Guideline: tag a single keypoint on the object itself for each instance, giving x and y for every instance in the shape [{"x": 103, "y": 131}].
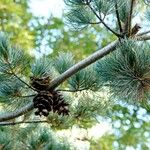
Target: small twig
[
  {"x": 94, "y": 22},
  {"x": 118, "y": 35},
  {"x": 142, "y": 38},
  {"x": 22, "y": 122},
  {"x": 17, "y": 113},
  {"x": 25, "y": 96},
  {"x": 130, "y": 17},
  {"x": 12, "y": 72},
  {"x": 23, "y": 82},
  {"x": 118, "y": 18},
  {"x": 143, "y": 33},
  {"x": 79, "y": 90}
]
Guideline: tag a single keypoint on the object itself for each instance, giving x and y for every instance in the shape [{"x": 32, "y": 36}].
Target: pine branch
[
  {"x": 17, "y": 113},
  {"x": 143, "y": 33},
  {"x": 95, "y": 22},
  {"x": 79, "y": 90},
  {"x": 22, "y": 122},
  {"x": 68, "y": 73},
  {"x": 13, "y": 73},
  {"x": 74, "y": 69},
  {"x": 118, "y": 18},
  {"x": 118, "y": 35},
  {"x": 25, "y": 96},
  {"x": 142, "y": 38},
  {"x": 130, "y": 17},
  {"x": 83, "y": 64}
]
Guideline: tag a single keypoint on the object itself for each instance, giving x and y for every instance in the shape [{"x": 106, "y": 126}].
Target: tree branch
[
  {"x": 13, "y": 73},
  {"x": 21, "y": 122},
  {"x": 78, "y": 90},
  {"x": 118, "y": 35},
  {"x": 26, "y": 96},
  {"x": 143, "y": 33},
  {"x": 84, "y": 63},
  {"x": 118, "y": 18},
  {"x": 68, "y": 73},
  {"x": 17, "y": 113},
  {"x": 130, "y": 16},
  {"x": 143, "y": 38}
]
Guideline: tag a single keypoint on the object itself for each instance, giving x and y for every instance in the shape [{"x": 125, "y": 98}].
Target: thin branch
[
  {"x": 94, "y": 22},
  {"x": 143, "y": 38},
  {"x": 24, "y": 82},
  {"x": 118, "y": 35},
  {"x": 26, "y": 96},
  {"x": 84, "y": 63},
  {"x": 143, "y": 33},
  {"x": 68, "y": 73},
  {"x": 118, "y": 18},
  {"x": 17, "y": 113},
  {"x": 79, "y": 90},
  {"x": 13, "y": 73},
  {"x": 22, "y": 122},
  {"x": 130, "y": 16}
]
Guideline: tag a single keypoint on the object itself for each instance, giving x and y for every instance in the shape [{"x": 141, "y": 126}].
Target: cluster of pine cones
[{"x": 46, "y": 100}]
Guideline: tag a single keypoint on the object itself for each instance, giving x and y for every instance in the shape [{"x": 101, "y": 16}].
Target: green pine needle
[
  {"x": 126, "y": 71},
  {"x": 85, "y": 79},
  {"x": 63, "y": 62},
  {"x": 42, "y": 67}
]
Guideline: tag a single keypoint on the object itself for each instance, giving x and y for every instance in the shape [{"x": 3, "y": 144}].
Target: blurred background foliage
[{"x": 130, "y": 124}]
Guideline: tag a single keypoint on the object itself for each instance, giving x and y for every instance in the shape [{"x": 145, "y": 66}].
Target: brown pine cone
[{"x": 40, "y": 83}]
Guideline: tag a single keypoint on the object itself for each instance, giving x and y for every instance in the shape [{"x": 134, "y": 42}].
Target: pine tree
[{"x": 65, "y": 92}]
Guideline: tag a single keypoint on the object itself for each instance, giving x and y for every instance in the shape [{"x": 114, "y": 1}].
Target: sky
[{"x": 47, "y": 7}]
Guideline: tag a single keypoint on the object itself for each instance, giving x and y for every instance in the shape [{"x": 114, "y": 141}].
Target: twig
[
  {"x": 12, "y": 72},
  {"x": 79, "y": 90},
  {"x": 94, "y": 22},
  {"x": 24, "y": 82},
  {"x": 118, "y": 35},
  {"x": 130, "y": 17},
  {"x": 142, "y": 38},
  {"x": 143, "y": 33},
  {"x": 22, "y": 122},
  {"x": 118, "y": 18},
  {"x": 25, "y": 96},
  {"x": 17, "y": 113},
  {"x": 82, "y": 64}
]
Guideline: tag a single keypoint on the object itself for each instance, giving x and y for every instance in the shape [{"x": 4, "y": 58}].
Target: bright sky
[{"x": 47, "y": 7}]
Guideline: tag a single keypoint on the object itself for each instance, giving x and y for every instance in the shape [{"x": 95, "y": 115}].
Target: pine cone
[
  {"x": 135, "y": 29},
  {"x": 40, "y": 83},
  {"x": 46, "y": 101},
  {"x": 59, "y": 105}
]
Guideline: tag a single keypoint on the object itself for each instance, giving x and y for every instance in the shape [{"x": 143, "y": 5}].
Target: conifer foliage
[
  {"x": 66, "y": 92},
  {"x": 126, "y": 71}
]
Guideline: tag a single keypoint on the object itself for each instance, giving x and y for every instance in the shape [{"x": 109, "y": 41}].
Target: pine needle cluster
[
  {"x": 126, "y": 71},
  {"x": 31, "y": 137}
]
